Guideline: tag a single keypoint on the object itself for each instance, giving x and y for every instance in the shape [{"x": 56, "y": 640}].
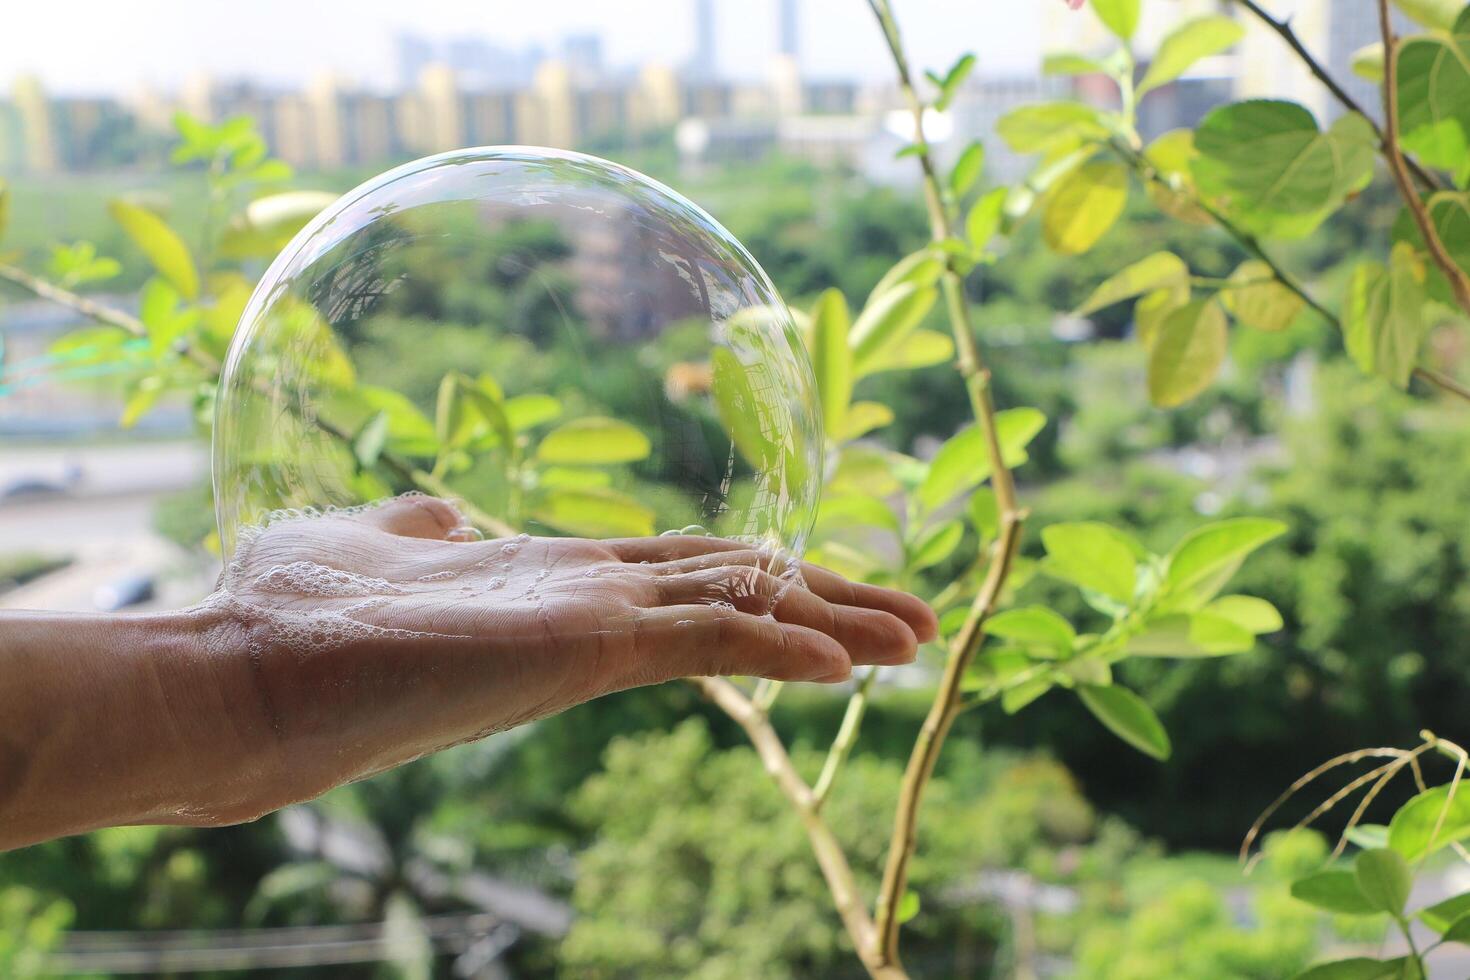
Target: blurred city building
[{"x": 468, "y": 90}]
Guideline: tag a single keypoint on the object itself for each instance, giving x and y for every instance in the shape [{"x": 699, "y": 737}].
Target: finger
[
  {"x": 670, "y": 547},
  {"x": 413, "y": 516},
  {"x": 822, "y": 582},
  {"x": 914, "y": 612},
  {"x": 870, "y": 636},
  {"x": 701, "y": 641}
]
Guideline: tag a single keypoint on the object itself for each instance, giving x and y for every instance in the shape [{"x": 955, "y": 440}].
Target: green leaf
[
  {"x": 963, "y": 461},
  {"x": 1090, "y": 555},
  {"x": 1186, "y": 44},
  {"x": 1357, "y": 968},
  {"x": 1438, "y": 14},
  {"x": 1383, "y": 319},
  {"x": 864, "y": 417},
  {"x": 935, "y": 545},
  {"x": 922, "y": 268},
  {"x": 1034, "y": 626},
  {"x": 368, "y": 443},
  {"x": 1071, "y": 64},
  {"x": 454, "y": 421},
  {"x": 1384, "y": 879},
  {"x": 573, "y": 477},
  {"x": 593, "y": 441},
  {"x": 1368, "y": 835},
  {"x": 984, "y": 513},
  {"x": 854, "y": 508},
  {"x": 1186, "y": 636},
  {"x": 1048, "y": 125},
  {"x": 1441, "y": 915},
  {"x": 4, "y": 206},
  {"x": 1449, "y": 212},
  {"x": 528, "y": 411},
  {"x": 1268, "y": 161},
  {"x": 593, "y": 513},
  {"x": 967, "y": 168},
  {"x": 1213, "y": 553},
  {"x": 1411, "y": 832},
  {"x": 983, "y": 221},
  {"x": 831, "y": 358},
  {"x": 1459, "y": 931},
  {"x": 1127, "y": 716},
  {"x": 1083, "y": 206},
  {"x": 908, "y": 907},
  {"x": 1249, "y": 613},
  {"x": 887, "y": 321},
  {"x": 1257, "y": 299},
  {"x": 409, "y": 430},
  {"x": 1333, "y": 891},
  {"x": 1016, "y": 698},
  {"x": 158, "y": 308},
  {"x": 1434, "y": 96},
  {"x": 950, "y": 84},
  {"x": 1368, "y": 62},
  {"x": 1187, "y": 353},
  {"x": 1161, "y": 270},
  {"x": 160, "y": 244},
  {"x": 1118, "y": 16}
]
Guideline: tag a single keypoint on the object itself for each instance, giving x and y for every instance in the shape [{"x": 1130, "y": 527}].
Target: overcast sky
[{"x": 103, "y": 46}]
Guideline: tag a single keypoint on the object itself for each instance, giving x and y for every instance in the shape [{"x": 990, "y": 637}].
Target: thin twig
[
  {"x": 1287, "y": 34},
  {"x": 842, "y": 745},
  {"x": 947, "y": 700},
  {"x": 123, "y": 320},
  {"x": 1459, "y": 280}
]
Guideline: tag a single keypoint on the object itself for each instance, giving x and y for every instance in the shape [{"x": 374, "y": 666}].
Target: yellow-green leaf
[
  {"x": 1034, "y": 627},
  {"x": 160, "y": 244},
  {"x": 967, "y": 168},
  {"x": 1118, "y": 16},
  {"x": 1438, "y": 14},
  {"x": 864, "y": 417},
  {"x": 592, "y": 512},
  {"x": 1434, "y": 96},
  {"x": 1257, "y": 299},
  {"x": 963, "y": 461},
  {"x": 983, "y": 221},
  {"x": 889, "y": 318},
  {"x": 1187, "y": 353},
  {"x": 593, "y": 441},
  {"x": 1248, "y": 612},
  {"x": 922, "y": 348},
  {"x": 1207, "y": 552},
  {"x": 1044, "y": 126},
  {"x": 1186, "y": 44},
  {"x": 831, "y": 358},
  {"x": 1368, "y": 62},
  {"x": 1412, "y": 831},
  {"x": 1172, "y": 156},
  {"x": 1127, "y": 716},
  {"x": 935, "y": 545},
  {"x": 1091, "y": 555},
  {"x": 1083, "y": 206},
  {"x": 1383, "y": 320},
  {"x": 1161, "y": 270}
]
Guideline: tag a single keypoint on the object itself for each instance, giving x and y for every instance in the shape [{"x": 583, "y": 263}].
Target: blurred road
[{"x": 95, "y": 504}]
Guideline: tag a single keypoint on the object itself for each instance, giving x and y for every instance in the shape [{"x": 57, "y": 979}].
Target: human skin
[{"x": 275, "y": 691}]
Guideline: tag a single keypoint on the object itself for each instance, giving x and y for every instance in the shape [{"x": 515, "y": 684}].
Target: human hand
[{"x": 374, "y": 640}]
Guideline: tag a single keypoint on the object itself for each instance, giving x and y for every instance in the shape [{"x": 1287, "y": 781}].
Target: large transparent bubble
[{"x": 564, "y": 345}]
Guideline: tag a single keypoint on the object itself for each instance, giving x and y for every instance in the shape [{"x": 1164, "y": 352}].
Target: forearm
[{"x": 108, "y": 720}]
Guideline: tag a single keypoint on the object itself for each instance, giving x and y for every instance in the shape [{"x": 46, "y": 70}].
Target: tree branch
[
  {"x": 1287, "y": 34},
  {"x": 123, "y": 320},
  {"x": 842, "y": 745},
  {"x": 971, "y": 365},
  {"x": 1459, "y": 280},
  {"x": 830, "y": 857}
]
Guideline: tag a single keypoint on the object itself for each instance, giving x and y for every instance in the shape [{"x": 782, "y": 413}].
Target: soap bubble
[{"x": 561, "y": 344}]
